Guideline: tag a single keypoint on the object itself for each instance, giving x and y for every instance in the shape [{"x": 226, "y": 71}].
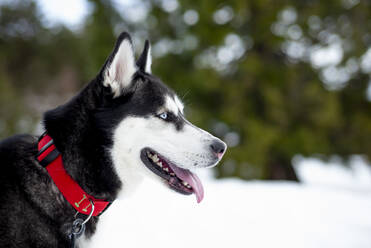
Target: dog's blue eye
[{"x": 163, "y": 115}]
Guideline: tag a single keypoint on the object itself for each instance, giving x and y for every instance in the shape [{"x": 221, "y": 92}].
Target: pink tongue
[{"x": 190, "y": 178}]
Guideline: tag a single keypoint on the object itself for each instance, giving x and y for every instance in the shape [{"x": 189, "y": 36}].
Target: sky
[{"x": 69, "y": 12}]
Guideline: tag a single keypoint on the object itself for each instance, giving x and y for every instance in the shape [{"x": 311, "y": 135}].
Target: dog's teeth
[
  {"x": 166, "y": 169},
  {"x": 159, "y": 164},
  {"x": 186, "y": 184},
  {"x": 155, "y": 158}
]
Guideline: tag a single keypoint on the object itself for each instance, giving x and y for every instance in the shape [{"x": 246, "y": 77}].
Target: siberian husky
[{"x": 123, "y": 126}]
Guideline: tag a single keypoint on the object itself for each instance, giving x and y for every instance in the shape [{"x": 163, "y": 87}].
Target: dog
[{"x": 124, "y": 126}]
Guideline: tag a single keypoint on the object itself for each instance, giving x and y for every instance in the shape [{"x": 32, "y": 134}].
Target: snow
[
  {"x": 329, "y": 209},
  {"x": 356, "y": 176}
]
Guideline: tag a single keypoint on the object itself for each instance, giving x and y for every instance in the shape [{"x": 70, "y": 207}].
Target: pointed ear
[
  {"x": 145, "y": 60},
  {"x": 120, "y": 65}
]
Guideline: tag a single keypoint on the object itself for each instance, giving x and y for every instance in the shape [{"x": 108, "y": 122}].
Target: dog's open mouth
[{"x": 180, "y": 180}]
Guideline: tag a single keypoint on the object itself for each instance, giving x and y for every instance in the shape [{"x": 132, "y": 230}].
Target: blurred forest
[{"x": 273, "y": 78}]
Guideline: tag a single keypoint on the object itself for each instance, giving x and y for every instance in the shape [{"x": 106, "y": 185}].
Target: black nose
[{"x": 218, "y": 148}]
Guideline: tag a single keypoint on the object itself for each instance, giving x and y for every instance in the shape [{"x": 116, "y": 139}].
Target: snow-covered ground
[{"x": 331, "y": 208}]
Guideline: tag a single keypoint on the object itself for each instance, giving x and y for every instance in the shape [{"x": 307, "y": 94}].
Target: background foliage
[{"x": 273, "y": 78}]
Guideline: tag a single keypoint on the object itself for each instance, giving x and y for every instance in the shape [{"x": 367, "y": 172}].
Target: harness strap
[{"x": 50, "y": 158}]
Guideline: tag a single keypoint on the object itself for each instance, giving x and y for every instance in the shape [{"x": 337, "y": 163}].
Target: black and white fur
[{"x": 100, "y": 133}]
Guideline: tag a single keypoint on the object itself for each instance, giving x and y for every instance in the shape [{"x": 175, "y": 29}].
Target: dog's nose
[{"x": 218, "y": 148}]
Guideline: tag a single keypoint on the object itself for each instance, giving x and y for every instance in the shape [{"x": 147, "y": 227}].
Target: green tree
[
  {"x": 272, "y": 78},
  {"x": 254, "y": 69}
]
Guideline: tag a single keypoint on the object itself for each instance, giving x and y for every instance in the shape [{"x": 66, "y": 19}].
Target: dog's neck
[{"x": 85, "y": 153}]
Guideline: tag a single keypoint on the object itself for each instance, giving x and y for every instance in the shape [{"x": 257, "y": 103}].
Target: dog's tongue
[{"x": 190, "y": 178}]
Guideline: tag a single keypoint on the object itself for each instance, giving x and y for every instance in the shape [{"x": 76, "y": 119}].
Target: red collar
[{"x": 50, "y": 158}]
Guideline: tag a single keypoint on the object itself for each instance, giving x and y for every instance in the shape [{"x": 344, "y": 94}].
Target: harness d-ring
[
  {"x": 91, "y": 213},
  {"x": 78, "y": 226}
]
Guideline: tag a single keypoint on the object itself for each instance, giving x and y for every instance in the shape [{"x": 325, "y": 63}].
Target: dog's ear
[
  {"x": 145, "y": 60},
  {"x": 120, "y": 66}
]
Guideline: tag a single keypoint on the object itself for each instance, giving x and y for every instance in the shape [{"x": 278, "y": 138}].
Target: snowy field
[{"x": 331, "y": 208}]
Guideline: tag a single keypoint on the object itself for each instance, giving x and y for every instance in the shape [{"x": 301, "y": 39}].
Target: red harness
[{"x": 50, "y": 158}]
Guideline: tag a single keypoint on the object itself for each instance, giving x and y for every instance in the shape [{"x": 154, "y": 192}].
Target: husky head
[{"x": 150, "y": 134}]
